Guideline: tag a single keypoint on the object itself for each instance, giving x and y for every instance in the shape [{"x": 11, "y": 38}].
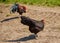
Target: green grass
[{"x": 35, "y": 2}]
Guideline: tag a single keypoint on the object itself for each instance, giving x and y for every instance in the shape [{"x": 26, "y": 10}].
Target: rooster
[
  {"x": 34, "y": 26},
  {"x": 18, "y": 8}
]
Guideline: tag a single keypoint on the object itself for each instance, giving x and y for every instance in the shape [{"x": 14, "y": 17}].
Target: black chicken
[
  {"x": 34, "y": 26},
  {"x": 18, "y": 8}
]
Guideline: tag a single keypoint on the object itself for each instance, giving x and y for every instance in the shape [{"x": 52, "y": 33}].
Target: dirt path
[{"x": 13, "y": 30}]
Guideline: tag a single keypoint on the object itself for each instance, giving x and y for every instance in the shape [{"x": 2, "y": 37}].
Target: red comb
[
  {"x": 24, "y": 7},
  {"x": 42, "y": 20}
]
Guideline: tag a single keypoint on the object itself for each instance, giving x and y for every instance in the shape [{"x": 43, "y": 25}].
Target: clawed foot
[{"x": 36, "y": 36}]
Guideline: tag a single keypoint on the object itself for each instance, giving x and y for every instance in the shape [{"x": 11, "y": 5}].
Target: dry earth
[{"x": 16, "y": 32}]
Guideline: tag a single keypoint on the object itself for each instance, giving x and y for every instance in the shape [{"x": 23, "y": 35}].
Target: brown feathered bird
[
  {"x": 34, "y": 26},
  {"x": 18, "y": 8}
]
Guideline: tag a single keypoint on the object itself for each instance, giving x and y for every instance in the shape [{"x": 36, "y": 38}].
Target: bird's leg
[{"x": 36, "y": 35}]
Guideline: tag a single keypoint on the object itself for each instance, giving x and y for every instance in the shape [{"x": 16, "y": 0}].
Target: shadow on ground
[
  {"x": 9, "y": 19},
  {"x": 30, "y": 37}
]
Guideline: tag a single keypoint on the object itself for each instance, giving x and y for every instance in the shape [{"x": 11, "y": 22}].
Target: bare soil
[{"x": 13, "y": 30}]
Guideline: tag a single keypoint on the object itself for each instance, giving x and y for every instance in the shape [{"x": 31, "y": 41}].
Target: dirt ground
[{"x": 15, "y": 32}]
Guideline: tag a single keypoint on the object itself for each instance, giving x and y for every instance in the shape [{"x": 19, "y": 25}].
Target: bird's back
[{"x": 39, "y": 24}]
